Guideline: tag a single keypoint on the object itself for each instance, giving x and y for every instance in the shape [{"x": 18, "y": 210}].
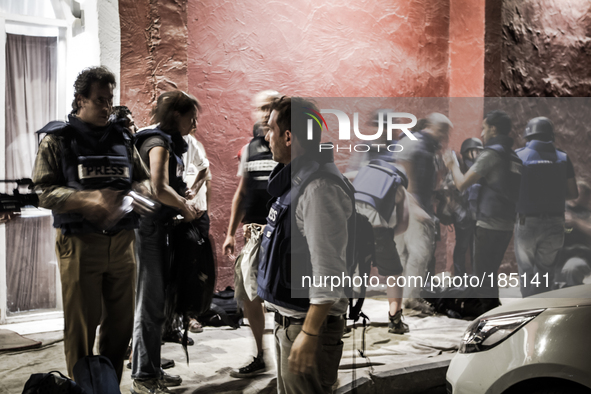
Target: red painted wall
[
  {"x": 309, "y": 48},
  {"x": 153, "y": 53},
  {"x": 224, "y": 52}
]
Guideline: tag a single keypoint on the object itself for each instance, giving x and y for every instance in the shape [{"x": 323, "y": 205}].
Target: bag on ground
[
  {"x": 96, "y": 375},
  {"x": 51, "y": 383},
  {"x": 224, "y": 311}
]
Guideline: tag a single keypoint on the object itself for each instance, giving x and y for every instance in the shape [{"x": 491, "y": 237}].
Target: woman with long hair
[{"x": 161, "y": 147}]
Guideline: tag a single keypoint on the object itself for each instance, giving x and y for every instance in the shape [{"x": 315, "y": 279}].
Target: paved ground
[{"x": 218, "y": 350}]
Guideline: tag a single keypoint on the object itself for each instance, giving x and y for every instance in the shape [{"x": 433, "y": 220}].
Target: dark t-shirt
[
  {"x": 150, "y": 143},
  {"x": 420, "y": 155},
  {"x": 489, "y": 165}
]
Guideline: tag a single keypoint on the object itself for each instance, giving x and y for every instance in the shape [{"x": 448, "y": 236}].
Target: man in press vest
[
  {"x": 497, "y": 171},
  {"x": 547, "y": 181},
  {"x": 309, "y": 228},
  {"x": 83, "y": 167}
]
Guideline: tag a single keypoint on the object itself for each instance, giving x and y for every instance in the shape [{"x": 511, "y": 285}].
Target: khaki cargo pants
[{"x": 98, "y": 285}]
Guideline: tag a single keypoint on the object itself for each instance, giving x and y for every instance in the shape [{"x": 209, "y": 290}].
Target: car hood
[{"x": 563, "y": 298}]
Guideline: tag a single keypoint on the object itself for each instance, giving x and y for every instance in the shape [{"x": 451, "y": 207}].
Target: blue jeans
[
  {"x": 153, "y": 269},
  {"x": 537, "y": 241}
]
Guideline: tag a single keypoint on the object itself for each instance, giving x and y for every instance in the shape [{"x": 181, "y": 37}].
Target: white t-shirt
[
  {"x": 243, "y": 160},
  {"x": 195, "y": 161}
]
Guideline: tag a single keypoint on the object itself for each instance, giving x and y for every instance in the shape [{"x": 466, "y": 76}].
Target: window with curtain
[{"x": 31, "y": 74}]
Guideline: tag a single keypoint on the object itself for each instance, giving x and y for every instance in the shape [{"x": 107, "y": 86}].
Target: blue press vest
[
  {"x": 377, "y": 183},
  {"x": 543, "y": 180},
  {"x": 175, "y": 167},
  {"x": 92, "y": 161},
  {"x": 498, "y": 200},
  {"x": 258, "y": 167},
  {"x": 283, "y": 243}
]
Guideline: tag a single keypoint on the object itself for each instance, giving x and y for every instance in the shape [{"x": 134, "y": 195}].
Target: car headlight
[{"x": 487, "y": 332}]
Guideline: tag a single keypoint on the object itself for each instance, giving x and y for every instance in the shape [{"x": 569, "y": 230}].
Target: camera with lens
[{"x": 14, "y": 202}]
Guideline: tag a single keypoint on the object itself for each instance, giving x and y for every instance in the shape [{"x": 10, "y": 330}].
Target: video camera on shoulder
[{"x": 16, "y": 201}]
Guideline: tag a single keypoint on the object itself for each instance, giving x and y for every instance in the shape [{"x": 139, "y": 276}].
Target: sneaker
[
  {"x": 396, "y": 325},
  {"x": 257, "y": 366},
  {"x": 171, "y": 380},
  {"x": 150, "y": 386}
]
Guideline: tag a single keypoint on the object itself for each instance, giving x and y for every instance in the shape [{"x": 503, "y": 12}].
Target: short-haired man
[
  {"x": 547, "y": 181},
  {"x": 416, "y": 246},
  {"x": 307, "y": 233},
  {"x": 82, "y": 168},
  {"x": 498, "y": 172},
  {"x": 123, "y": 114},
  {"x": 249, "y": 206}
]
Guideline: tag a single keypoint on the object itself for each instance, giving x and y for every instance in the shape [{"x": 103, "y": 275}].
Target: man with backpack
[
  {"x": 249, "y": 206},
  {"x": 309, "y": 233}
]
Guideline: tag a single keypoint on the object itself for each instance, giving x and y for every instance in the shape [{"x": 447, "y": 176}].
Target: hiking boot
[
  {"x": 257, "y": 366},
  {"x": 170, "y": 380},
  {"x": 396, "y": 325},
  {"x": 150, "y": 386}
]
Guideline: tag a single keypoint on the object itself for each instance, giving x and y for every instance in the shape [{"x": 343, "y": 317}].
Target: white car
[{"x": 538, "y": 345}]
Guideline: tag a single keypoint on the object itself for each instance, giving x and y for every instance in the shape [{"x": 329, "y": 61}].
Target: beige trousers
[{"x": 98, "y": 286}]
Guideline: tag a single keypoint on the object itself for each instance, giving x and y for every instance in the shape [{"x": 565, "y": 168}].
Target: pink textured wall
[
  {"x": 466, "y": 68},
  {"x": 310, "y": 48},
  {"x": 466, "y": 48},
  {"x": 153, "y": 53},
  {"x": 224, "y": 52}
]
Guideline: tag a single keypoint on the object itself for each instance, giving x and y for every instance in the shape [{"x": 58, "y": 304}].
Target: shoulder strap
[
  {"x": 390, "y": 169},
  {"x": 53, "y": 127},
  {"x": 500, "y": 149},
  {"x": 143, "y": 135},
  {"x": 561, "y": 155}
]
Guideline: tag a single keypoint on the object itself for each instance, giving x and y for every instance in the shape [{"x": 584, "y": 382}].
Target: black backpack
[
  {"x": 360, "y": 265},
  {"x": 191, "y": 282},
  {"x": 223, "y": 311},
  {"x": 458, "y": 302},
  {"x": 96, "y": 375},
  {"x": 51, "y": 383},
  {"x": 192, "y": 271}
]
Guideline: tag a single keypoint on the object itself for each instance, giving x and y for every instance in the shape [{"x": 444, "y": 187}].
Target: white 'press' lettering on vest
[
  {"x": 272, "y": 214},
  {"x": 113, "y": 171}
]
